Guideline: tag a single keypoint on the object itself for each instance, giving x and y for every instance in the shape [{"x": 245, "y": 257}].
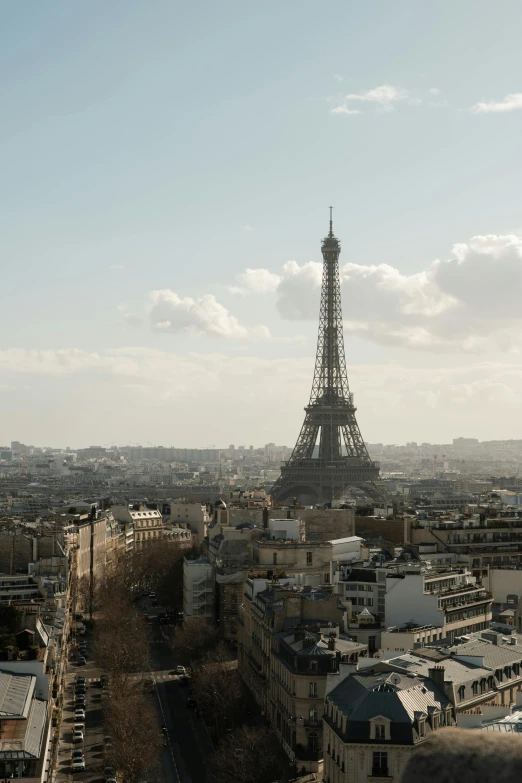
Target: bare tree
[
  {"x": 133, "y": 724},
  {"x": 192, "y": 642},
  {"x": 218, "y": 689},
  {"x": 250, "y": 755}
]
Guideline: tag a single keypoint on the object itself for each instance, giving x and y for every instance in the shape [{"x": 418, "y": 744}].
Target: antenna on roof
[{"x": 331, "y": 224}]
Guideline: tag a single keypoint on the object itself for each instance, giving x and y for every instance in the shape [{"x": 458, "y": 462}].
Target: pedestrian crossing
[{"x": 158, "y": 676}]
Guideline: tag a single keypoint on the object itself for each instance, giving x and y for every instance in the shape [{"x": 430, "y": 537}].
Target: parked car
[
  {"x": 77, "y": 736},
  {"x": 80, "y": 690},
  {"x": 191, "y": 702},
  {"x": 79, "y": 680},
  {"x": 79, "y": 714},
  {"x": 148, "y": 685},
  {"x": 78, "y": 761},
  {"x": 104, "y": 679},
  {"x": 108, "y": 741},
  {"x": 79, "y": 703},
  {"x": 82, "y": 660},
  {"x": 180, "y": 670},
  {"x": 183, "y": 680}
]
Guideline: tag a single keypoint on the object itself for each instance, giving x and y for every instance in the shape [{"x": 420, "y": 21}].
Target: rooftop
[{"x": 16, "y": 691}]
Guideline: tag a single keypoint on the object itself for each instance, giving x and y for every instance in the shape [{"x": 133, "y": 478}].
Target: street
[{"x": 182, "y": 760}]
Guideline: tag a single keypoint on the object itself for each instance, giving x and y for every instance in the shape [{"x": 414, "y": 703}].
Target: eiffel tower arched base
[{"x": 313, "y": 485}]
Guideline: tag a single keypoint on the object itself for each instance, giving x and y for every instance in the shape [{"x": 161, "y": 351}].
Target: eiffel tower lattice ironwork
[{"x": 330, "y": 455}]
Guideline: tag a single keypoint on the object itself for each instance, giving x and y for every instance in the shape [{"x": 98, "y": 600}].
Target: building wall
[
  {"x": 404, "y": 641},
  {"x": 394, "y": 530},
  {"x": 502, "y": 582},
  {"x": 358, "y": 759},
  {"x": 406, "y": 602}
]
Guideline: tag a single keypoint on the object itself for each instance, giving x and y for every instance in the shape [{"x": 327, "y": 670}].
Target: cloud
[
  {"x": 509, "y": 102},
  {"x": 132, "y": 319},
  {"x": 344, "y": 109},
  {"x": 434, "y": 91},
  {"x": 469, "y": 302},
  {"x": 117, "y": 266},
  {"x": 383, "y": 97},
  {"x": 338, "y": 77},
  {"x": 256, "y": 281},
  {"x": 204, "y": 316},
  {"x": 248, "y": 227}
]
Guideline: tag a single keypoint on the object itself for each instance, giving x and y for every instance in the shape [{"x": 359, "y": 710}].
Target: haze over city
[{"x": 166, "y": 191}]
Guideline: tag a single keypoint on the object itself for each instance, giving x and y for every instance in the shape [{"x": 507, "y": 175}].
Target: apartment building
[
  {"x": 450, "y": 599},
  {"x": 147, "y": 523},
  {"x": 479, "y": 540},
  {"x": 300, "y": 662},
  {"x": 286, "y": 647},
  {"x": 374, "y": 720}
]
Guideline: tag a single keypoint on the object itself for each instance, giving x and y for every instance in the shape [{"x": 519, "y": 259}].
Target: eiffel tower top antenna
[{"x": 331, "y": 224}]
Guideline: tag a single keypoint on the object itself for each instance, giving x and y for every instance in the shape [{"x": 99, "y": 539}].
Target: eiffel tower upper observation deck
[{"x": 330, "y": 455}]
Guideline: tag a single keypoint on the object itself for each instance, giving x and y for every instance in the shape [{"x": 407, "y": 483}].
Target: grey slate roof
[
  {"x": 400, "y": 698},
  {"x": 454, "y": 670},
  {"x": 495, "y": 657},
  {"x": 16, "y": 691}
]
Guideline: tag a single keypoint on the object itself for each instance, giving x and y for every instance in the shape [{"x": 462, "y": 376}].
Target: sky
[{"x": 167, "y": 169}]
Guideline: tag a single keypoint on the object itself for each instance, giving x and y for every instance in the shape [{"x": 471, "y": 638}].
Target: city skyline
[{"x": 165, "y": 204}]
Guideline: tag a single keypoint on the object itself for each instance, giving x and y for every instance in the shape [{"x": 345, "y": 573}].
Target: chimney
[
  {"x": 265, "y": 518},
  {"x": 437, "y": 675},
  {"x": 331, "y": 643}
]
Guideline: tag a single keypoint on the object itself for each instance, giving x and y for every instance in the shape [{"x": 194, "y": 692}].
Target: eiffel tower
[{"x": 330, "y": 455}]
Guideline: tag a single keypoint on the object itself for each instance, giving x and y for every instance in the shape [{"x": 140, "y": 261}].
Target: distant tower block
[{"x": 329, "y": 457}]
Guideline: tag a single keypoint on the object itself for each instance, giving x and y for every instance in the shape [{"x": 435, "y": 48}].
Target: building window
[
  {"x": 313, "y": 666},
  {"x": 516, "y": 669},
  {"x": 380, "y": 731},
  {"x": 274, "y": 558},
  {"x": 474, "y": 688},
  {"x": 491, "y": 683},
  {"x": 461, "y": 692},
  {"x": 483, "y": 685},
  {"x": 422, "y": 728},
  {"x": 308, "y": 558},
  {"x": 313, "y": 715},
  {"x": 327, "y": 578},
  {"x": 380, "y": 765},
  {"x": 313, "y": 742},
  {"x": 312, "y": 690}
]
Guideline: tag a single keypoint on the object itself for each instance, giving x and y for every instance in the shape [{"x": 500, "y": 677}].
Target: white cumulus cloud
[
  {"x": 468, "y": 302},
  {"x": 256, "y": 281},
  {"x": 205, "y": 315},
  {"x": 384, "y": 97},
  {"x": 510, "y": 102}
]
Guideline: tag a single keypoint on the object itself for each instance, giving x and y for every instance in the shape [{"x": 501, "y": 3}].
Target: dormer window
[
  {"x": 422, "y": 727},
  {"x": 461, "y": 692},
  {"x": 380, "y": 729},
  {"x": 313, "y": 666}
]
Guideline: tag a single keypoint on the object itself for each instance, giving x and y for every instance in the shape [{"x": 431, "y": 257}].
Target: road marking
[{"x": 164, "y": 722}]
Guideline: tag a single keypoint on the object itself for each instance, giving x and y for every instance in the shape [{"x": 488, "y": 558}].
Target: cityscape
[{"x": 345, "y": 608}]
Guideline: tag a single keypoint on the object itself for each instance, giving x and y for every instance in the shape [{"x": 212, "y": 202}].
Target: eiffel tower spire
[{"x": 330, "y": 454}]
